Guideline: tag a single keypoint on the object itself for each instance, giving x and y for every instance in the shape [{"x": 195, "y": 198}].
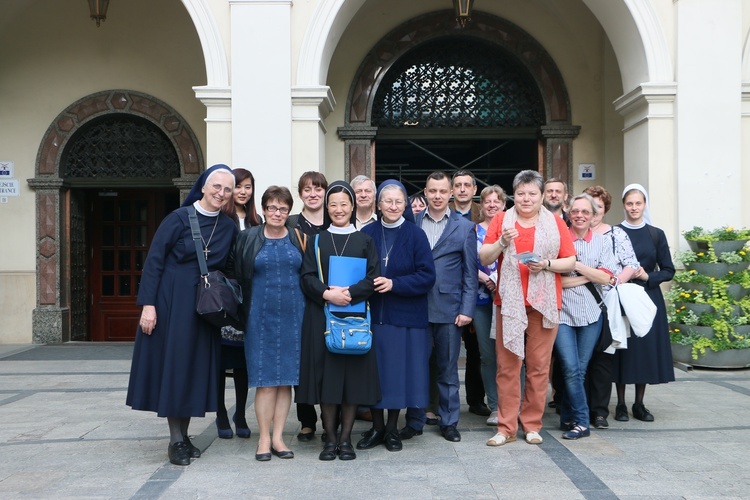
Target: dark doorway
[
  {"x": 493, "y": 161},
  {"x": 121, "y": 226}
]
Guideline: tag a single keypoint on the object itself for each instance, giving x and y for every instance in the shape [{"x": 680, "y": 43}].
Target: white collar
[
  {"x": 392, "y": 225},
  {"x": 203, "y": 211},
  {"x": 342, "y": 230},
  {"x": 633, "y": 226}
]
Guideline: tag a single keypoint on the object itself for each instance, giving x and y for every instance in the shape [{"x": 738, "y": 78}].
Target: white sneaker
[
  {"x": 533, "y": 437},
  {"x": 492, "y": 419}
]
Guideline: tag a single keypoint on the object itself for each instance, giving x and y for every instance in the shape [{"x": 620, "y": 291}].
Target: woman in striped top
[{"x": 580, "y": 317}]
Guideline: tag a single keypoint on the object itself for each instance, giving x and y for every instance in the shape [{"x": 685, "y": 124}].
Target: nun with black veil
[
  {"x": 336, "y": 380},
  {"x": 176, "y": 356}
]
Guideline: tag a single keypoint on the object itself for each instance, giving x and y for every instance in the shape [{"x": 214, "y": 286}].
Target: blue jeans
[
  {"x": 574, "y": 346},
  {"x": 482, "y": 323},
  {"x": 446, "y": 346}
]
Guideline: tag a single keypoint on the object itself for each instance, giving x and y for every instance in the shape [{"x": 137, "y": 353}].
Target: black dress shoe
[
  {"x": 481, "y": 410},
  {"x": 305, "y": 437},
  {"x": 408, "y": 433},
  {"x": 621, "y": 413},
  {"x": 393, "y": 442},
  {"x": 328, "y": 453},
  {"x": 179, "y": 454},
  {"x": 432, "y": 421},
  {"x": 372, "y": 439},
  {"x": 641, "y": 413},
  {"x": 346, "y": 452},
  {"x": 601, "y": 423},
  {"x": 283, "y": 453},
  {"x": 193, "y": 451},
  {"x": 450, "y": 433}
]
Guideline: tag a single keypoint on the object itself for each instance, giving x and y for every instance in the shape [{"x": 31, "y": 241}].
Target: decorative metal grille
[
  {"x": 117, "y": 146},
  {"x": 78, "y": 266},
  {"x": 455, "y": 82}
]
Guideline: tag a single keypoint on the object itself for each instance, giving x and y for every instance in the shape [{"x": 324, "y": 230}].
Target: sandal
[{"x": 500, "y": 439}]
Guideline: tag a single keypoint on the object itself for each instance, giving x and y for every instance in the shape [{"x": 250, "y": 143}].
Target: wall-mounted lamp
[
  {"x": 463, "y": 11},
  {"x": 98, "y": 10}
]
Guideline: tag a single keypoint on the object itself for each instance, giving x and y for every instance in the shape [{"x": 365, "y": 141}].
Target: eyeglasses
[
  {"x": 273, "y": 209},
  {"x": 398, "y": 203},
  {"x": 577, "y": 211},
  {"x": 219, "y": 187}
]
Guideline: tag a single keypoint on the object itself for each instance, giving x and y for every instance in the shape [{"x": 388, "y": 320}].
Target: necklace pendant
[
  {"x": 206, "y": 251},
  {"x": 385, "y": 259}
]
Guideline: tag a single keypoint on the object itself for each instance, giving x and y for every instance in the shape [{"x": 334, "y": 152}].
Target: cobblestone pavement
[{"x": 66, "y": 433}]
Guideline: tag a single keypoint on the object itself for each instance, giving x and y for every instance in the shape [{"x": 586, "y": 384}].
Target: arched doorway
[
  {"x": 109, "y": 168},
  {"x": 481, "y": 89}
]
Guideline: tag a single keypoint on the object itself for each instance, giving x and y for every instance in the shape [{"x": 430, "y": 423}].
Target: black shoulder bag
[
  {"x": 605, "y": 337},
  {"x": 218, "y": 299}
]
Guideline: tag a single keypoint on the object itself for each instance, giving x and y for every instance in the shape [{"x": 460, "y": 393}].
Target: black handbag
[
  {"x": 218, "y": 298},
  {"x": 605, "y": 337}
]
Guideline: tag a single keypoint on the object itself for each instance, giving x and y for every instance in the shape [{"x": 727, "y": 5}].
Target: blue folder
[{"x": 346, "y": 271}]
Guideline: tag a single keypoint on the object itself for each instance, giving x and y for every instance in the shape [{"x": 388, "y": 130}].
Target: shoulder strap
[
  {"x": 302, "y": 238},
  {"x": 196, "y": 230},
  {"x": 317, "y": 257},
  {"x": 597, "y": 297}
]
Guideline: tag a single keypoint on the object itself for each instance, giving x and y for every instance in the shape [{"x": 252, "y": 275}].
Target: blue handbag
[
  {"x": 345, "y": 334},
  {"x": 348, "y": 335}
]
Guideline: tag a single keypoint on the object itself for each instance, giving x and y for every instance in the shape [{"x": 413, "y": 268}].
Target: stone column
[
  {"x": 218, "y": 102},
  {"x": 51, "y": 318},
  {"x": 708, "y": 112},
  {"x": 558, "y": 151},
  {"x": 261, "y": 79},
  {"x": 359, "y": 150},
  {"x": 649, "y": 142},
  {"x": 310, "y": 107}
]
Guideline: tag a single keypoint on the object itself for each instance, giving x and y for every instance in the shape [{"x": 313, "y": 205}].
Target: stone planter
[
  {"x": 698, "y": 246},
  {"x": 697, "y": 308},
  {"x": 703, "y": 331},
  {"x": 721, "y": 247},
  {"x": 682, "y": 353},
  {"x": 742, "y": 331},
  {"x": 711, "y": 269},
  {"x": 736, "y": 291},
  {"x": 731, "y": 358},
  {"x": 737, "y": 268}
]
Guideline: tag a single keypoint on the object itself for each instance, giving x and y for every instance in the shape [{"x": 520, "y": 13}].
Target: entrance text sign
[{"x": 9, "y": 187}]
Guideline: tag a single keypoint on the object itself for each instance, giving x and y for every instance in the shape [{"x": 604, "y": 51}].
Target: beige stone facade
[{"x": 650, "y": 91}]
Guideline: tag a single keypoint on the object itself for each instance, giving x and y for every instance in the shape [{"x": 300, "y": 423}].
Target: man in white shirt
[{"x": 364, "y": 190}]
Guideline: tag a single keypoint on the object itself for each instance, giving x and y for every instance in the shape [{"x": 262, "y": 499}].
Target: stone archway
[
  {"x": 557, "y": 133},
  {"x": 51, "y": 317}
]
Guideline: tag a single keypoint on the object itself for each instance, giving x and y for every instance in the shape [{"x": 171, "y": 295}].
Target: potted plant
[{"x": 709, "y": 303}]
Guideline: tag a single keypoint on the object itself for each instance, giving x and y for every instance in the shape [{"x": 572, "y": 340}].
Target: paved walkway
[{"x": 66, "y": 433}]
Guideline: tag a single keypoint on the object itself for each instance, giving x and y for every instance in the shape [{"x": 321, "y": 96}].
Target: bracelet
[
  {"x": 501, "y": 244},
  {"x": 549, "y": 263}
]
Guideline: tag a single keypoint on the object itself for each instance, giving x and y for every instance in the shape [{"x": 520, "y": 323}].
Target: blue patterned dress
[{"x": 272, "y": 338}]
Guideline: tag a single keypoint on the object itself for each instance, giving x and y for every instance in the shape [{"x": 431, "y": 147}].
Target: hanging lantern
[
  {"x": 463, "y": 11},
  {"x": 98, "y": 10}
]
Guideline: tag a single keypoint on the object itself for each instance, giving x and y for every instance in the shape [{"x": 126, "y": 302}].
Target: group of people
[{"x": 438, "y": 268}]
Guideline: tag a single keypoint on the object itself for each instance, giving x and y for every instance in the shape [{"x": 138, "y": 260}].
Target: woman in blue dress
[
  {"x": 242, "y": 211},
  {"x": 399, "y": 314},
  {"x": 648, "y": 359},
  {"x": 175, "y": 365},
  {"x": 266, "y": 262}
]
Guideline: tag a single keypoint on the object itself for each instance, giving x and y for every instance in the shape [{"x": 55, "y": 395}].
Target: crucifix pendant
[
  {"x": 206, "y": 251},
  {"x": 385, "y": 259}
]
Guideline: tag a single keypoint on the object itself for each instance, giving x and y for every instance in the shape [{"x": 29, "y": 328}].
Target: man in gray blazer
[{"x": 451, "y": 301}]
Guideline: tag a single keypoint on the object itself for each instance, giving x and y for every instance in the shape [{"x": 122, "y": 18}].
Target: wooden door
[{"x": 122, "y": 225}]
